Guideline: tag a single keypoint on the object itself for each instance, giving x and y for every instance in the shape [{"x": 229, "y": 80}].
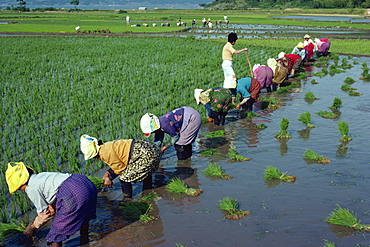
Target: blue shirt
[
  {"x": 243, "y": 86},
  {"x": 301, "y": 53},
  {"x": 171, "y": 124}
]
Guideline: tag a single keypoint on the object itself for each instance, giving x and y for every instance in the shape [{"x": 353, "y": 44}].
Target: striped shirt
[{"x": 43, "y": 187}]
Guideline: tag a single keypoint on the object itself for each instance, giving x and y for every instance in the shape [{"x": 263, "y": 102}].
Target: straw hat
[
  {"x": 197, "y": 93},
  {"x": 89, "y": 146},
  {"x": 149, "y": 123},
  {"x": 16, "y": 175},
  {"x": 300, "y": 45},
  {"x": 307, "y": 36}
]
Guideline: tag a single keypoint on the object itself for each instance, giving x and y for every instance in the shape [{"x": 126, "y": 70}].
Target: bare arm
[{"x": 240, "y": 51}]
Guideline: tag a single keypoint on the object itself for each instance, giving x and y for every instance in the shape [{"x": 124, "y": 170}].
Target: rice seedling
[
  {"x": 353, "y": 93},
  {"x": 98, "y": 182},
  {"x": 305, "y": 118},
  {"x": 327, "y": 114},
  {"x": 235, "y": 157},
  {"x": 250, "y": 114},
  {"x": 178, "y": 186},
  {"x": 284, "y": 125},
  {"x": 146, "y": 218},
  {"x": 282, "y": 90},
  {"x": 349, "y": 80},
  {"x": 337, "y": 102},
  {"x": 328, "y": 244},
  {"x": 261, "y": 126},
  {"x": 208, "y": 152},
  {"x": 344, "y": 217},
  {"x": 310, "y": 96},
  {"x": 311, "y": 155},
  {"x": 313, "y": 81},
  {"x": 137, "y": 211},
  {"x": 274, "y": 173},
  {"x": 302, "y": 75},
  {"x": 8, "y": 229},
  {"x": 343, "y": 129},
  {"x": 179, "y": 245},
  {"x": 213, "y": 134},
  {"x": 216, "y": 170},
  {"x": 319, "y": 74},
  {"x": 231, "y": 208},
  {"x": 346, "y": 87},
  {"x": 150, "y": 196}
]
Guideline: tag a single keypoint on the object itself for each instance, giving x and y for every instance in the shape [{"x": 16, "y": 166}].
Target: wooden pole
[{"x": 249, "y": 62}]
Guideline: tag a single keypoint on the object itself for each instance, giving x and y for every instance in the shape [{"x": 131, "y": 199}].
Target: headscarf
[
  {"x": 197, "y": 93},
  {"x": 16, "y": 175},
  {"x": 281, "y": 54},
  {"x": 307, "y": 36},
  {"x": 149, "y": 123},
  {"x": 271, "y": 62},
  {"x": 89, "y": 146}
]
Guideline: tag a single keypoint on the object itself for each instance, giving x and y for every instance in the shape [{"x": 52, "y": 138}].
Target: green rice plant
[
  {"x": 209, "y": 152},
  {"x": 343, "y": 129},
  {"x": 344, "y": 217},
  {"x": 283, "y": 133},
  {"x": 134, "y": 209},
  {"x": 261, "y": 126},
  {"x": 250, "y": 114},
  {"x": 310, "y": 96},
  {"x": 353, "y": 93},
  {"x": 327, "y": 114},
  {"x": 319, "y": 74},
  {"x": 328, "y": 244},
  {"x": 282, "y": 90},
  {"x": 365, "y": 69},
  {"x": 146, "y": 218},
  {"x": 8, "y": 229},
  {"x": 337, "y": 102},
  {"x": 293, "y": 84},
  {"x": 311, "y": 155},
  {"x": 235, "y": 157},
  {"x": 213, "y": 134},
  {"x": 305, "y": 118},
  {"x": 216, "y": 170},
  {"x": 313, "y": 81},
  {"x": 179, "y": 245},
  {"x": 349, "y": 80},
  {"x": 302, "y": 75},
  {"x": 274, "y": 173},
  {"x": 231, "y": 208},
  {"x": 98, "y": 182},
  {"x": 325, "y": 71},
  {"x": 178, "y": 186},
  {"x": 346, "y": 87},
  {"x": 150, "y": 196}
]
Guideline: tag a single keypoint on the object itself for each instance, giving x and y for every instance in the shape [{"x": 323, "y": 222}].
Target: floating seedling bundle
[
  {"x": 284, "y": 125},
  {"x": 311, "y": 155},
  {"x": 327, "y": 114},
  {"x": 310, "y": 96},
  {"x": 209, "y": 152},
  {"x": 231, "y": 208},
  {"x": 214, "y": 134},
  {"x": 274, "y": 173},
  {"x": 305, "y": 118},
  {"x": 235, "y": 157},
  {"x": 178, "y": 186},
  {"x": 8, "y": 229},
  {"x": 337, "y": 102},
  {"x": 137, "y": 210},
  {"x": 216, "y": 170},
  {"x": 343, "y": 129},
  {"x": 343, "y": 217}
]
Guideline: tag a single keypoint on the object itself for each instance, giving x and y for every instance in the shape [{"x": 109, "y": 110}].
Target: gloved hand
[{"x": 30, "y": 230}]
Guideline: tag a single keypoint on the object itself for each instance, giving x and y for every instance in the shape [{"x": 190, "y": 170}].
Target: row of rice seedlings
[
  {"x": 349, "y": 80},
  {"x": 313, "y": 81},
  {"x": 231, "y": 208},
  {"x": 177, "y": 186},
  {"x": 270, "y": 102},
  {"x": 311, "y": 155},
  {"x": 274, "y": 173},
  {"x": 344, "y": 217},
  {"x": 283, "y": 133},
  {"x": 217, "y": 171},
  {"x": 305, "y": 118},
  {"x": 250, "y": 114},
  {"x": 234, "y": 156},
  {"x": 208, "y": 152}
]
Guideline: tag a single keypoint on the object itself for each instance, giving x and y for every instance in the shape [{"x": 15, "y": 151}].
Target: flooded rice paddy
[{"x": 282, "y": 214}]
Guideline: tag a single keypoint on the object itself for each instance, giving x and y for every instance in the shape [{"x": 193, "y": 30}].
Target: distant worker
[
  {"x": 225, "y": 18},
  {"x": 193, "y": 23},
  {"x": 181, "y": 124},
  {"x": 309, "y": 46},
  {"x": 128, "y": 20},
  {"x": 300, "y": 51},
  {"x": 77, "y": 28},
  {"x": 204, "y": 21},
  {"x": 323, "y": 46},
  {"x": 228, "y": 52}
]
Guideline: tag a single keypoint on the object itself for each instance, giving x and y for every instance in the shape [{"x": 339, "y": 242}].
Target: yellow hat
[
  {"x": 89, "y": 146},
  {"x": 307, "y": 36},
  {"x": 16, "y": 175},
  {"x": 300, "y": 45}
]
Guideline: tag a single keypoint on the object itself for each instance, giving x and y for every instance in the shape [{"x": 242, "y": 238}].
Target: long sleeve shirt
[
  {"x": 301, "y": 53},
  {"x": 171, "y": 124}
]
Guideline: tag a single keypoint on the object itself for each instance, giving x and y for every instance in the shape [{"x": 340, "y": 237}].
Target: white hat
[
  {"x": 89, "y": 146},
  {"x": 271, "y": 62},
  {"x": 197, "y": 92},
  {"x": 281, "y": 54},
  {"x": 149, "y": 123},
  {"x": 307, "y": 36},
  {"x": 230, "y": 82},
  {"x": 256, "y": 66}
]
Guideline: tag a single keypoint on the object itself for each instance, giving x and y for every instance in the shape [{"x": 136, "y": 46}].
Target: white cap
[
  {"x": 197, "y": 92},
  {"x": 149, "y": 123},
  {"x": 281, "y": 54}
]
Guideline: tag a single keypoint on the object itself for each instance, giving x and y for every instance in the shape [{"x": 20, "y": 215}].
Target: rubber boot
[
  {"x": 268, "y": 89},
  {"x": 183, "y": 151},
  {"x": 126, "y": 189},
  {"x": 249, "y": 104},
  {"x": 222, "y": 118},
  {"x": 274, "y": 87},
  {"x": 216, "y": 118}
]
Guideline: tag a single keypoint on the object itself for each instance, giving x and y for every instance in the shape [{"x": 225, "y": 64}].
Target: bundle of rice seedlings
[
  {"x": 319, "y": 74},
  {"x": 150, "y": 196},
  {"x": 327, "y": 114},
  {"x": 349, "y": 80},
  {"x": 335, "y": 71},
  {"x": 337, "y": 102},
  {"x": 328, "y": 244},
  {"x": 305, "y": 118},
  {"x": 343, "y": 129},
  {"x": 8, "y": 229},
  {"x": 135, "y": 210},
  {"x": 98, "y": 182},
  {"x": 235, "y": 157},
  {"x": 261, "y": 126},
  {"x": 325, "y": 71},
  {"x": 313, "y": 81},
  {"x": 230, "y": 206},
  {"x": 284, "y": 124},
  {"x": 216, "y": 170},
  {"x": 311, "y": 155},
  {"x": 344, "y": 217},
  {"x": 178, "y": 186},
  {"x": 251, "y": 114},
  {"x": 213, "y": 134},
  {"x": 274, "y": 173},
  {"x": 310, "y": 95},
  {"x": 146, "y": 218},
  {"x": 209, "y": 152},
  {"x": 179, "y": 245},
  {"x": 353, "y": 93},
  {"x": 282, "y": 90},
  {"x": 346, "y": 87}
]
